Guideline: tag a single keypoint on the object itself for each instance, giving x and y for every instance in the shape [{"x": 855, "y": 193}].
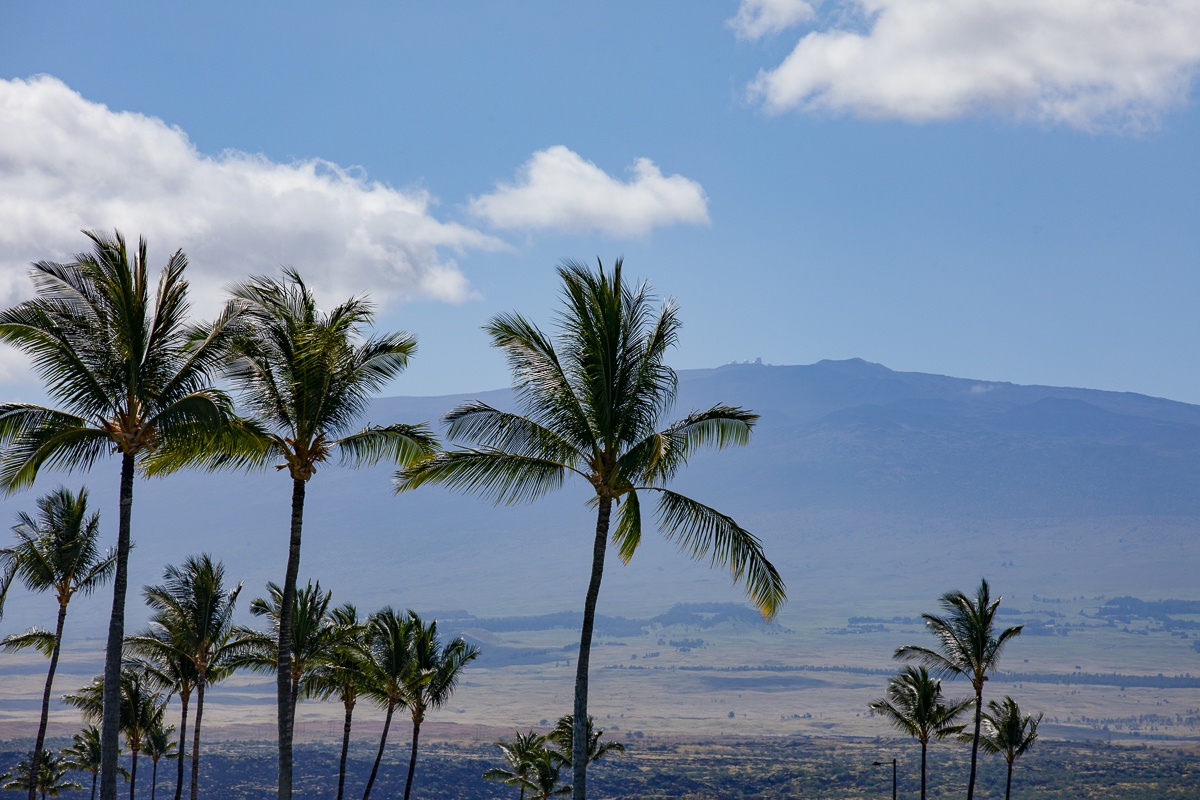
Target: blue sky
[{"x": 1005, "y": 191}]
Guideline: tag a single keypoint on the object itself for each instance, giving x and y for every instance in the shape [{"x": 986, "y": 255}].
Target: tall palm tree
[
  {"x": 314, "y": 637},
  {"x": 1006, "y": 732},
  {"x": 49, "y": 780},
  {"x": 967, "y": 645},
  {"x": 84, "y": 754},
  {"x": 306, "y": 377},
  {"x": 140, "y": 711},
  {"x": 158, "y": 745},
  {"x": 60, "y": 550},
  {"x": 129, "y": 377},
  {"x": 340, "y": 674},
  {"x": 914, "y": 705},
  {"x": 430, "y": 677},
  {"x": 194, "y": 610},
  {"x": 592, "y": 407},
  {"x": 519, "y": 756},
  {"x": 388, "y": 658},
  {"x": 171, "y": 669}
]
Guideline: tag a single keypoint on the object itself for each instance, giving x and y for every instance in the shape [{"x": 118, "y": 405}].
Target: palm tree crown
[
  {"x": 520, "y": 757},
  {"x": 306, "y": 377},
  {"x": 593, "y": 405},
  {"x": 139, "y": 711},
  {"x": 60, "y": 551},
  {"x": 563, "y": 737},
  {"x": 968, "y": 645},
  {"x": 914, "y": 705},
  {"x": 130, "y": 377},
  {"x": 193, "y": 613},
  {"x": 430, "y": 677},
  {"x": 1008, "y": 733},
  {"x": 315, "y": 637}
]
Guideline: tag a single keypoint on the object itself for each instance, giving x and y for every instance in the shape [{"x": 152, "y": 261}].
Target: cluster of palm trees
[
  {"x": 968, "y": 646},
  {"x": 129, "y": 375},
  {"x": 191, "y": 643},
  {"x": 533, "y": 762}
]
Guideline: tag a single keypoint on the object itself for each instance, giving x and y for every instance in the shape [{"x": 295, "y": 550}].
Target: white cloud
[
  {"x": 1091, "y": 64},
  {"x": 67, "y": 164},
  {"x": 758, "y": 18},
  {"x": 558, "y": 189}
]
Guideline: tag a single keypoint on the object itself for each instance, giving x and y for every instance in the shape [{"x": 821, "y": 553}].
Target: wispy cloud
[
  {"x": 68, "y": 164},
  {"x": 1090, "y": 64},
  {"x": 557, "y": 189},
  {"x": 758, "y": 18}
]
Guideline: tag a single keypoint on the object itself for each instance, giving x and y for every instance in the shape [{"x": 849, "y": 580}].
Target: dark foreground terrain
[{"x": 711, "y": 768}]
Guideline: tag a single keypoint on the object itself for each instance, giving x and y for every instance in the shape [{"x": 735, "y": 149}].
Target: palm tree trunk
[
  {"x": 283, "y": 677},
  {"x": 132, "y": 773},
  {"x": 579, "y": 743},
  {"x": 195, "y": 787},
  {"x": 184, "y": 696},
  {"x": 387, "y": 723},
  {"x": 1008, "y": 783},
  {"x": 94, "y": 776},
  {"x": 110, "y": 725},
  {"x": 41, "y": 734},
  {"x": 154, "y": 779},
  {"x": 924, "y": 747},
  {"x": 975, "y": 742},
  {"x": 348, "y": 702},
  {"x": 412, "y": 759}
]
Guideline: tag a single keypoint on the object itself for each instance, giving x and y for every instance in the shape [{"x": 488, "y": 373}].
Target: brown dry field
[{"x": 665, "y": 699}]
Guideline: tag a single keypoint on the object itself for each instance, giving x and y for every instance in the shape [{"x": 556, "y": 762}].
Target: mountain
[{"x": 861, "y": 481}]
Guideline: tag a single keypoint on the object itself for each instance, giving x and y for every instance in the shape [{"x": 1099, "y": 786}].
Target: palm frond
[
  {"x": 503, "y": 478},
  {"x": 40, "y": 639},
  {"x": 44, "y": 437},
  {"x": 540, "y": 382},
  {"x": 700, "y": 530},
  {"x": 398, "y": 443},
  {"x": 627, "y": 534},
  {"x": 507, "y": 432}
]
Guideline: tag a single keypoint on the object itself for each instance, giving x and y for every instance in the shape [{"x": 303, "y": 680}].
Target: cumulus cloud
[
  {"x": 1090, "y": 64},
  {"x": 67, "y": 164},
  {"x": 758, "y": 18},
  {"x": 559, "y": 190}
]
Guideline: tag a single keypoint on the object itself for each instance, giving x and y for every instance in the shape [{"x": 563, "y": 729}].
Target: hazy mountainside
[{"x": 867, "y": 486}]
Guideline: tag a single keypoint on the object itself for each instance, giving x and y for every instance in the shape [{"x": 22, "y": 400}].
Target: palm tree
[
  {"x": 140, "y": 711},
  {"x": 544, "y": 777},
  {"x": 341, "y": 674},
  {"x": 129, "y": 378},
  {"x": 563, "y": 737},
  {"x": 50, "y": 781},
  {"x": 914, "y": 705},
  {"x": 519, "y": 757},
  {"x": 314, "y": 637},
  {"x": 60, "y": 551},
  {"x": 158, "y": 745},
  {"x": 967, "y": 646},
  {"x": 194, "y": 612},
  {"x": 430, "y": 677},
  {"x": 387, "y": 660},
  {"x": 592, "y": 406},
  {"x": 1006, "y": 732},
  {"x": 171, "y": 669},
  {"x": 306, "y": 377},
  {"x": 84, "y": 754}
]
